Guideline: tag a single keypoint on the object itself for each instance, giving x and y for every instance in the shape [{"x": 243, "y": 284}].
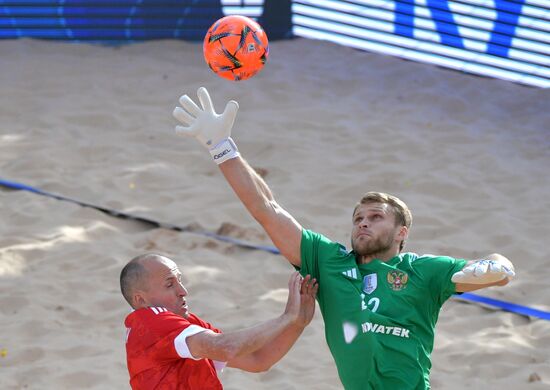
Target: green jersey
[{"x": 379, "y": 317}]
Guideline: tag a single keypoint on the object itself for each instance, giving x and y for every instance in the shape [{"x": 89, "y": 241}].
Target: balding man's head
[
  {"x": 134, "y": 275},
  {"x": 153, "y": 280}
]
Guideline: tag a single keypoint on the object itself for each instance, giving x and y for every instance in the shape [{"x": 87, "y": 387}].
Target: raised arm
[
  {"x": 493, "y": 270},
  {"x": 256, "y": 348},
  {"x": 213, "y": 131},
  {"x": 265, "y": 357},
  {"x": 282, "y": 228}
]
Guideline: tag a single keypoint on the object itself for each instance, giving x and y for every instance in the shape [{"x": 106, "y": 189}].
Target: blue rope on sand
[
  {"x": 502, "y": 305},
  {"x": 507, "y": 306}
]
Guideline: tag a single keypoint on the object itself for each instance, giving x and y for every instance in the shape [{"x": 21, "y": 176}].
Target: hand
[
  {"x": 308, "y": 292},
  {"x": 486, "y": 271},
  {"x": 292, "y": 309},
  {"x": 300, "y": 306},
  {"x": 209, "y": 128}
]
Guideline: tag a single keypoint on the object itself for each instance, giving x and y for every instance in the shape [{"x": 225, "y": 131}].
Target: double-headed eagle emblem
[{"x": 397, "y": 280}]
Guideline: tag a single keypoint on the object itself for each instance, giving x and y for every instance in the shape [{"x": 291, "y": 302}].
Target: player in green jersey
[{"x": 379, "y": 305}]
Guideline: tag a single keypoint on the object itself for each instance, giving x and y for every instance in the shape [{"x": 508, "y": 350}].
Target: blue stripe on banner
[
  {"x": 501, "y": 27},
  {"x": 503, "y": 305},
  {"x": 445, "y": 15},
  {"x": 404, "y": 18}
]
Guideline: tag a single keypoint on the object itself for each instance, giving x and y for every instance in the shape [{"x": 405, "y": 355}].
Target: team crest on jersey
[
  {"x": 370, "y": 282},
  {"x": 397, "y": 280}
]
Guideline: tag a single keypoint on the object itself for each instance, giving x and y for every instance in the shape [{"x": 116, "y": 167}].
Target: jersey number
[{"x": 372, "y": 304}]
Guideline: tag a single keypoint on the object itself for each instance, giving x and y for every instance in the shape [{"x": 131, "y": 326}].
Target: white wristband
[{"x": 224, "y": 151}]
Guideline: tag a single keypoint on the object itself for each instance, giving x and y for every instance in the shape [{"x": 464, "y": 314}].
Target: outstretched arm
[
  {"x": 251, "y": 189},
  {"x": 233, "y": 347},
  {"x": 213, "y": 131},
  {"x": 493, "y": 270}
]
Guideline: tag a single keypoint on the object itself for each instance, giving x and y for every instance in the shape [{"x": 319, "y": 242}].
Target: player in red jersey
[{"x": 168, "y": 347}]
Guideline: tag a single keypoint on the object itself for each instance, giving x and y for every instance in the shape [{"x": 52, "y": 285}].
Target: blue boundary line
[
  {"x": 507, "y": 306},
  {"x": 503, "y": 305}
]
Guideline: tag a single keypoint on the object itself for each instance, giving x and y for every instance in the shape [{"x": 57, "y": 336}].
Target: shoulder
[
  {"x": 148, "y": 313},
  {"x": 309, "y": 237},
  {"x": 156, "y": 320},
  {"x": 426, "y": 259},
  {"x": 434, "y": 265},
  {"x": 195, "y": 320}
]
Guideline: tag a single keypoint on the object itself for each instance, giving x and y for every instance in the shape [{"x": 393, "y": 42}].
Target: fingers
[
  {"x": 206, "y": 101},
  {"x": 190, "y": 106},
  {"x": 482, "y": 267},
  {"x": 183, "y": 116},
  {"x": 309, "y": 286},
  {"x": 305, "y": 285},
  {"x": 496, "y": 267},
  {"x": 230, "y": 110},
  {"x": 294, "y": 282},
  {"x": 315, "y": 289},
  {"x": 229, "y": 115}
]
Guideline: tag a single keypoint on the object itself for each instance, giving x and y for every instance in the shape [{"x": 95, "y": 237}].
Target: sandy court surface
[{"x": 324, "y": 124}]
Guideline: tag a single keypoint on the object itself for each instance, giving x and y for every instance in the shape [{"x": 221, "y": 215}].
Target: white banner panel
[{"x": 496, "y": 38}]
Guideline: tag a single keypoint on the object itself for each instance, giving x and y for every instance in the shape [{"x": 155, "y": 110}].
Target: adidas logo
[
  {"x": 350, "y": 273},
  {"x": 158, "y": 310}
]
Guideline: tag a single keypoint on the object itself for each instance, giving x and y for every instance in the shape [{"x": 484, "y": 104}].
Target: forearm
[
  {"x": 249, "y": 187},
  {"x": 265, "y": 357},
  {"x": 228, "y": 346}
]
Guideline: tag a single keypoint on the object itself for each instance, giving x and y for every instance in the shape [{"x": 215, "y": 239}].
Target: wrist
[
  {"x": 224, "y": 150},
  {"x": 289, "y": 319},
  {"x": 298, "y": 325}
]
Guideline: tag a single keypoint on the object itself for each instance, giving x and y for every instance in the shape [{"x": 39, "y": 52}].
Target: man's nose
[{"x": 182, "y": 291}]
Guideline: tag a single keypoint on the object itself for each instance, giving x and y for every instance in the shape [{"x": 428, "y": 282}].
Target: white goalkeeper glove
[
  {"x": 484, "y": 272},
  {"x": 212, "y": 130}
]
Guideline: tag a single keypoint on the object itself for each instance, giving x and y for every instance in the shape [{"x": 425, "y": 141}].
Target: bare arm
[
  {"x": 272, "y": 352},
  {"x": 251, "y": 189},
  {"x": 230, "y": 346},
  {"x": 502, "y": 279},
  {"x": 213, "y": 131}
]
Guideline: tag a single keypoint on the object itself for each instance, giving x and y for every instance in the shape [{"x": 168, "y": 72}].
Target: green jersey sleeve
[
  {"x": 316, "y": 250},
  {"x": 437, "y": 272}
]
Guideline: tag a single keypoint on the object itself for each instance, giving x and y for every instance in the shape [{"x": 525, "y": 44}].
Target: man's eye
[{"x": 169, "y": 285}]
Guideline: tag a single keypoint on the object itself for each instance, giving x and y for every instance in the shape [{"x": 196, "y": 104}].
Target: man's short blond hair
[{"x": 403, "y": 216}]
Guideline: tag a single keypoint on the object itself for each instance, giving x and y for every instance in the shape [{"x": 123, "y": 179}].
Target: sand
[{"x": 325, "y": 124}]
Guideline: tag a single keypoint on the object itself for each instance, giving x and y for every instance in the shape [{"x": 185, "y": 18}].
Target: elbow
[
  {"x": 264, "y": 366},
  {"x": 259, "y": 370},
  {"x": 260, "y": 367},
  {"x": 262, "y": 362}
]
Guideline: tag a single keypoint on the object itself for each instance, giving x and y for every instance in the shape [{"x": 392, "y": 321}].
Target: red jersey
[{"x": 158, "y": 356}]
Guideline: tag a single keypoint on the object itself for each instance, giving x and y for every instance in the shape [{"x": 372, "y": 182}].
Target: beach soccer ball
[{"x": 235, "y": 47}]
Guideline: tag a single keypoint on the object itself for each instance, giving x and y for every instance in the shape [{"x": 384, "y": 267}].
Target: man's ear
[
  {"x": 139, "y": 300},
  {"x": 403, "y": 233}
]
